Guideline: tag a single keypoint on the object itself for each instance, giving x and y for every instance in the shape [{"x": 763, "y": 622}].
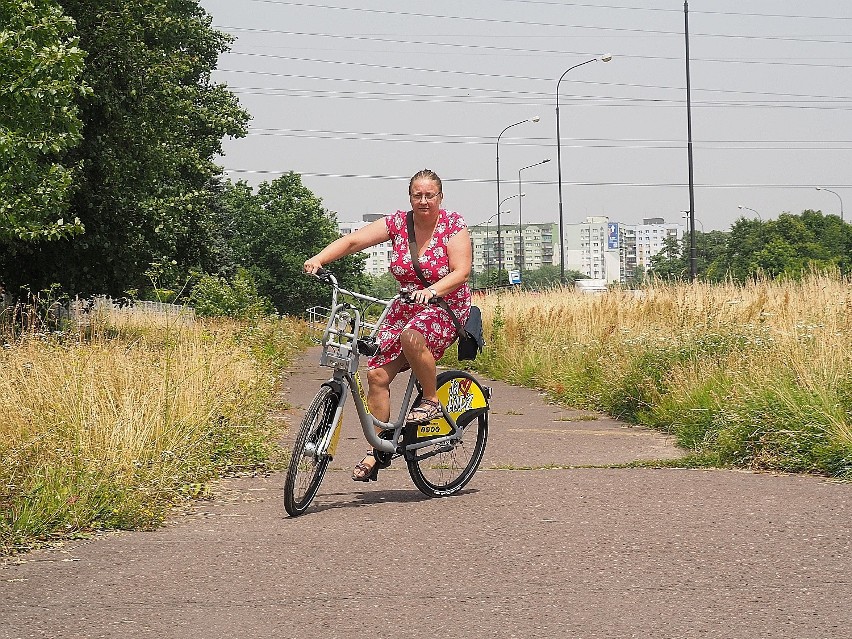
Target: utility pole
[{"x": 693, "y": 255}]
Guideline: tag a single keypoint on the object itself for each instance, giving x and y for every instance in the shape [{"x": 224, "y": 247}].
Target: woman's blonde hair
[{"x": 427, "y": 174}]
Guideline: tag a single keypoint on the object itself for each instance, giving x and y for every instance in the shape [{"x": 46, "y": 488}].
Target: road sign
[{"x": 514, "y": 277}]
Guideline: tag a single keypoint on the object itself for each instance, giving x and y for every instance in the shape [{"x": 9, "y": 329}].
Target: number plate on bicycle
[{"x": 434, "y": 428}]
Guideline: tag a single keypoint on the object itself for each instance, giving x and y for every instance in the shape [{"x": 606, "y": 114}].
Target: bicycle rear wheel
[
  {"x": 443, "y": 469},
  {"x": 307, "y": 468}
]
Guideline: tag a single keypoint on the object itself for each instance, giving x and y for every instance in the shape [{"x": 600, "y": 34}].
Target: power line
[
  {"x": 678, "y": 11},
  {"x": 579, "y": 143},
  {"x": 536, "y": 182},
  {"x": 535, "y": 140},
  {"x": 488, "y": 49},
  {"x": 408, "y": 14},
  {"x": 591, "y": 83},
  {"x": 581, "y": 100}
]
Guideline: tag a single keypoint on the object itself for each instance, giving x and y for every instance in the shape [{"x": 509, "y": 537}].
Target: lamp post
[
  {"x": 748, "y": 208},
  {"x": 686, "y": 215},
  {"x": 499, "y": 244},
  {"x": 532, "y": 119},
  {"x": 821, "y": 188},
  {"x": 605, "y": 58},
  {"x": 520, "y": 211}
]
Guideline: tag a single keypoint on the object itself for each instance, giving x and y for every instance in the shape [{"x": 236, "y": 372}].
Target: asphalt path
[{"x": 548, "y": 540}]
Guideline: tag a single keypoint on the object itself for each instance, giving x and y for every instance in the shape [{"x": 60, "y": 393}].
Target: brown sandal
[
  {"x": 364, "y": 471},
  {"x": 424, "y": 412}
]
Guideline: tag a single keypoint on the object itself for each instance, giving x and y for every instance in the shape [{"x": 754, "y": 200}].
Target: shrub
[{"x": 217, "y": 297}]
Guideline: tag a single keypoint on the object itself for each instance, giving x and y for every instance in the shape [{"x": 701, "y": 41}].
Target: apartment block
[
  {"x": 612, "y": 251},
  {"x": 379, "y": 256},
  {"x": 524, "y": 247},
  {"x": 599, "y": 248}
]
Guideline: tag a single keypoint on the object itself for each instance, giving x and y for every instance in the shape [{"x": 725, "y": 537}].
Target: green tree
[
  {"x": 153, "y": 126},
  {"x": 672, "y": 262},
  {"x": 787, "y": 246},
  {"x": 637, "y": 279},
  {"x": 549, "y": 275},
  {"x": 383, "y": 286},
  {"x": 216, "y": 296},
  {"x": 276, "y": 230},
  {"x": 40, "y": 69}
]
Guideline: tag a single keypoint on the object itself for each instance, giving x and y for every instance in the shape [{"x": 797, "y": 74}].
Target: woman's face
[{"x": 425, "y": 196}]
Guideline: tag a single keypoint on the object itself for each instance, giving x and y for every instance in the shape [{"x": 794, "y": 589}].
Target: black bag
[
  {"x": 471, "y": 340},
  {"x": 470, "y": 335}
]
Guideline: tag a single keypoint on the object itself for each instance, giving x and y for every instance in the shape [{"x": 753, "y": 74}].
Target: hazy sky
[{"x": 357, "y": 97}]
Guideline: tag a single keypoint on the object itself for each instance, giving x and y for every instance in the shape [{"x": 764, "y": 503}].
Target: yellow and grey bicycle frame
[{"x": 458, "y": 396}]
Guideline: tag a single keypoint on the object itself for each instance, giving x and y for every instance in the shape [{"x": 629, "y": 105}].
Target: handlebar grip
[
  {"x": 406, "y": 297},
  {"x": 323, "y": 274}
]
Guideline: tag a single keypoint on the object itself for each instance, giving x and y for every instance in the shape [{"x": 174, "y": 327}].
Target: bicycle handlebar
[{"x": 405, "y": 295}]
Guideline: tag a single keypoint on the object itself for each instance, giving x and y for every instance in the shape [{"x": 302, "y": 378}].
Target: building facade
[
  {"x": 593, "y": 248},
  {"x": 525, "y": 247},
  {"x": 378, "y": 257},
  {"x": 613, "y": 251},
  {"x": 650, "y": 238},
  {"x": 598, "y": 248}
]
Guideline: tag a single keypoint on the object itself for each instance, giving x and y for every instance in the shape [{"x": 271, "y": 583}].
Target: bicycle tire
[
  {"x": 445, "y": 469},
  {"x": 306, "y": 470}
]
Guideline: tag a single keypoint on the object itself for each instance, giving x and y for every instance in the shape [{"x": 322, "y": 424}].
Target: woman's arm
[
  {"x": 370, "y": 235},
  {"x": 458, "y": 253}
]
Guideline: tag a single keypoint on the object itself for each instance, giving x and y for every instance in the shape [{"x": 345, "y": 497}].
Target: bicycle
[{"x": 442, "y": 456}]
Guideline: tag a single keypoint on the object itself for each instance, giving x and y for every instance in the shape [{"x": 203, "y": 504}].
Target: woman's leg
[
  {"x": 378, "y": 400},
  {"x": 378, "y": 389},
  {"x": 422, "y": 362}
]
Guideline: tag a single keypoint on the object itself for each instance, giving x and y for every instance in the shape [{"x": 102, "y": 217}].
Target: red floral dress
[{"x": 432, "y": 321}]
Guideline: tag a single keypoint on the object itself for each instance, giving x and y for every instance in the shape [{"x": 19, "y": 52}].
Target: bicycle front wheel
[
  {"x": 307, "y": 467},
  {"x": 444, "y": 468}
]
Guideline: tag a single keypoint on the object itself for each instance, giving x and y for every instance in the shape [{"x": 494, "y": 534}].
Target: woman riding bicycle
[{"x": 415, "y": 334}]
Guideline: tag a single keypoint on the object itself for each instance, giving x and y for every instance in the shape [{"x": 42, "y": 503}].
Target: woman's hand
[
  {"x": 422, "y": 296},
  {"x": 312, "y": 265}
]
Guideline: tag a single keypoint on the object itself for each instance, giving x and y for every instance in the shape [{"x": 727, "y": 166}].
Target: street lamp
[
  {"x": 686, "y": 217},
  {"x": 605, "y": 58},
  {"x": 520, "y": 211},
  {"x": 820, "y": 188},
  {"x": 532, "y": 119},
  {"x": 499, "y": 243},
  {"x": 748, "y": 208}
]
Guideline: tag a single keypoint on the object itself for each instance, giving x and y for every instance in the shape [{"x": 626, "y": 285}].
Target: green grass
[
  {"x": 756, "y": 376},
  {"x": 111, "y": 426}
]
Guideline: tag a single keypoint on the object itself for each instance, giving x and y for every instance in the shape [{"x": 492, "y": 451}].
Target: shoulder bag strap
[{"x": 415, "y": 262}]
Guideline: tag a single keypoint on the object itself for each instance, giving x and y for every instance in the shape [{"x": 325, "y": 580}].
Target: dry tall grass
[
  {"x": 109, "y": 425},
  {"x": 757, "y": 375}
]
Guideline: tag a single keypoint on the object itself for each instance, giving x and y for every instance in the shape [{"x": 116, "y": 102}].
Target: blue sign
[
  {"x": 612, "y": 235},
  {"x": 514, "y": 277}
]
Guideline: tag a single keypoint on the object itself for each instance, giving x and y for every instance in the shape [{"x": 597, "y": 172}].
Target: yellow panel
[
  {"x": 459, "y": 395},
  {"x": 361, "y": 392},
  {"x": 434, "y": 428},
  {"x": 332, "y": 447}
]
